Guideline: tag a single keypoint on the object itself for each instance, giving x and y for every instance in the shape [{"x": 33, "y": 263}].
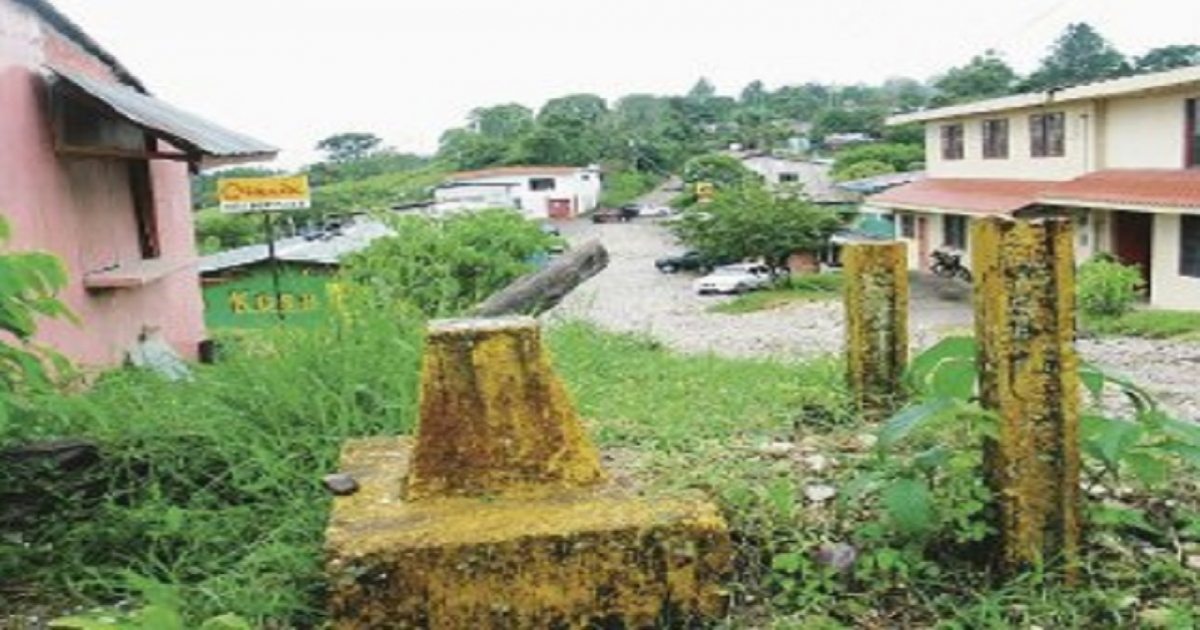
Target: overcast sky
[{"x": 294, "y": 71}]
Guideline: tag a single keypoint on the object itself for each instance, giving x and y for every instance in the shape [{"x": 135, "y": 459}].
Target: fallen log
[{"x": 541, "y": 290}]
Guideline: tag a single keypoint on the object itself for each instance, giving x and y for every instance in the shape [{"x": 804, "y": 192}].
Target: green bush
[
  {"x": 440, "y": 266},
  {"x": 624, "y": 187},
  {"x": 1107, "y": 288}
]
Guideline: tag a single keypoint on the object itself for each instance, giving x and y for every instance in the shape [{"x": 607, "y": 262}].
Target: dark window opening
[
  {"x": 541, "y": 183},
  {"x": 1189, "y": 246},
  {"x": 1047, "y": 135},
  {"x": 952, "y": 142},
  {"x": 995, "y": 139},
  {"x": 789, "y": 178},
  {"x": 954, "y": 231},
  {"x": 1192, "y": 139},
  {"x": 908, "y": 226},
  {"x": 142, "y": 193}
]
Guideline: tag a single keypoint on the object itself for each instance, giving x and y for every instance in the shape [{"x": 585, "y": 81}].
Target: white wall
[
  {"x": 1078, "y": 158},
  {"x": 1169, "y": 289},
  {"x": 1145, "y": 132}
]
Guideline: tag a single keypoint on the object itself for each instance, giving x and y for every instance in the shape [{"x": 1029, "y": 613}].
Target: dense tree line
[{"x": 650, "y": 133}]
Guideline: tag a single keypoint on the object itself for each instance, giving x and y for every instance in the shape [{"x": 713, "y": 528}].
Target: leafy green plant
[
  {"x": 1107, "y": 288},
  {"x": 441, "y": 266},
  {"x": 160, "y": 610},
  {"x": 29, "y": 283}
]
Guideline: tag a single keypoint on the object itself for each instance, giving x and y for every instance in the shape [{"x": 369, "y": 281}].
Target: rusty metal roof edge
[
  {"x": 192, "y": 132},
  {"x": 75, "y": 33}
]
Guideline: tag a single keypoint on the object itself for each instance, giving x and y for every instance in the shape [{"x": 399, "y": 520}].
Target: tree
[
  {"x": 900, "y": 157},
  {"x": 1080, "y": 55},
  {"x": 469, "y": 150},
  {"x": 502, "y": 122},
  {"x": 985, "y": 76},
  {"x": 749, "y": 222},
  {"x": 344, "y": 147},
  {"x": 863, "y": 169},
  {"x": 1168, "y": 58},
  {"x": 722, "y": 171}
]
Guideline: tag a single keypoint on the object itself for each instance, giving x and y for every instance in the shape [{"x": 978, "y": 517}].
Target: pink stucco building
[{"x": 96, "y": 171}]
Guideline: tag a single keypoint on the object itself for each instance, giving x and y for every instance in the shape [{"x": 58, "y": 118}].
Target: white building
[
  {"x": 1122, "y": 157},
  {"x": 811, "y": 178},
  {"x": 541, "y": 192}
]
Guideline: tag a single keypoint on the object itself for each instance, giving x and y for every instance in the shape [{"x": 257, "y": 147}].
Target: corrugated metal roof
[
  {"x": 72, "y": 31},
  {"x": 1176, "y": 189},
  {"x": 963, "y": 196},
  {"x": 186, "y": 131},
  {"x": 326, "y": 249}
]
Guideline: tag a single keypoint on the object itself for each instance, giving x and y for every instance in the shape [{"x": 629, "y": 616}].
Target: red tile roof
[
  {"x": 514, "y": 171},
  {"x": 1165, "y": 188},
  {"x": 964, "y": 196}
]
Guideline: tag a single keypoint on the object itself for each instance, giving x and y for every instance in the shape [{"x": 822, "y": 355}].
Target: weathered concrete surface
[
  {"x": 1029, "y": 377},
  {"x": 495, "y": 419},
  {"x": 876, "y": 312},
  {"x": 584, "y": 558},
  {"x": 498, "y": 516}
]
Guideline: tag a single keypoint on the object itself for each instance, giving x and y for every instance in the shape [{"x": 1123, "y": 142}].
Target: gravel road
[{"x": 630, "y": 295}]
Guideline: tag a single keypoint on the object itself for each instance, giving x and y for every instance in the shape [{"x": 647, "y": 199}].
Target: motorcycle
[{"x": 947, "y": 263}]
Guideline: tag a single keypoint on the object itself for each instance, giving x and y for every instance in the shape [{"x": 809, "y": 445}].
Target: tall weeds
[{"x": 211, "y": 485}]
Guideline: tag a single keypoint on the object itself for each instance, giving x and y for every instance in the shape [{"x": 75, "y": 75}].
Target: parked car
[
  {"x": 656, "y": 210},
  {"x": 738, "y": 278},
  {"x": 613, "y": 215},
  {"x": 690, "y": 260}
]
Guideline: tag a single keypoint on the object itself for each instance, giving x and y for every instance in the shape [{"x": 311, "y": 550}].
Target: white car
[
  {"x": 737, "y": 278},
  {"x": 654, "y": 210}
]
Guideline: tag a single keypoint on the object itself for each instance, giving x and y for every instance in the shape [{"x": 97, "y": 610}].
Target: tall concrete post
[
  {"x": 876, "y": 305},
  {"x": 1025, "y": 326}
]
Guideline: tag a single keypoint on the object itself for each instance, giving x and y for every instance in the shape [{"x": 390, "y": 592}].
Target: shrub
[{"x": 1107, "y": 288}]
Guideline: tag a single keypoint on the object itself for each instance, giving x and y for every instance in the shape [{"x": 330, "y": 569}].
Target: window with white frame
[
  {"x": 954, "y": 231},
  {"x": 1189, "y": 246},
  {"x": 952, "y": 142},
  {"x": 1047, "y": 135},
  {"x": 995, "y": 139}
]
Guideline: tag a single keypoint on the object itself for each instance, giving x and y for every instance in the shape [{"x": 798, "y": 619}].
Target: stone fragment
[
  {"x": 340, "y": 484},
  {"x": 820, "y": 493}
]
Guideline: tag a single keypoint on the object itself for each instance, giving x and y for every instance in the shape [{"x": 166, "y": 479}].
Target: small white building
[{"x": 541, "y": 192}]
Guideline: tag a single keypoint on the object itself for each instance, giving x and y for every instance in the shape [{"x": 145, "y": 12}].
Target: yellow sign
[
  {"x": 261, "y": 194},
  {"x": 705, "y": 191}
]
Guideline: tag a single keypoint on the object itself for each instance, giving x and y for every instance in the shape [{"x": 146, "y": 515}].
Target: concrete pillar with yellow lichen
[
  {"x": 501, "y": 516},
  {"x": 1025, "y": 327},
  {"x": 876, "y": 307}
]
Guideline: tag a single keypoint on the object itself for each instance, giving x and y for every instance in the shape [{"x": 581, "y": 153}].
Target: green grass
[
  {"x": 213, "y": 486},
  {"x": 1153, "y": 324},
  {"x": 795, "y": 289}
]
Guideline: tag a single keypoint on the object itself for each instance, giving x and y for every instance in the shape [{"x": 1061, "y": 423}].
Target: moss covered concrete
[
  {"x": 1025, "y": 325},
  {"x": 582, "y": 558},
  {"x": 494, "y": 417},
  {"x": 876, "y": 307}
]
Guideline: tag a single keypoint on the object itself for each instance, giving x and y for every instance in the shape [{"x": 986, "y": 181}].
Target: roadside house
[
  {"x": 95, "y": 170},
  {"x": 540, "y": 192},
  {"x": 1121, "y": 157},
  {"x": 811, "y": 178}
]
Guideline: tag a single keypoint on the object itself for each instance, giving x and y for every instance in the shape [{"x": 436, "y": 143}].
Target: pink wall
[{"x": 81, "y": 209}]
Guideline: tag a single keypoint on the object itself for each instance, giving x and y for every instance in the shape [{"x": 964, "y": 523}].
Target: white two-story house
[
  {"x": 541, "y": 192},
  {"x": 1122, "y": 157}
]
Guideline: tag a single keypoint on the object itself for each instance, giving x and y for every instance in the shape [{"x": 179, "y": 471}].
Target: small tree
[
  {"x": 349, "y": 146},
  {"x": 750, "y": 222}
]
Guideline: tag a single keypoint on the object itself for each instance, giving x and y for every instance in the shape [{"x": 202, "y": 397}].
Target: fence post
[
  {"x": 1029, "y": 377},
  {"x": 876, "y": 306}
]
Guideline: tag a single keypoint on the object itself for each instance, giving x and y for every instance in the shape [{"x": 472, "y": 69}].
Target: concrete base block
[{"x": 584, "y": 558}]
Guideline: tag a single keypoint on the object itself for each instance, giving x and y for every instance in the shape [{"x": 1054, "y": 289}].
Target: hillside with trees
[{"x": 639, "y": 139}]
